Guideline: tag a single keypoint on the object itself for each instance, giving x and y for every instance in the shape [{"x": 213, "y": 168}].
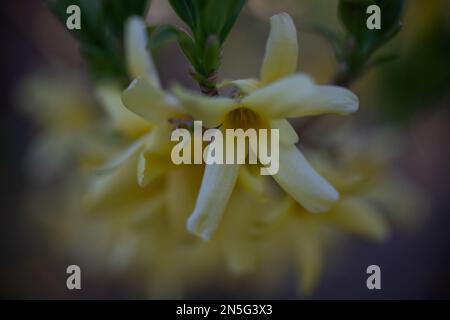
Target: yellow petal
[
  {"x": 302, "y": 182},
  {"x": 149, "y": 102},
  {"x": 122, "y": 119},
  {"x": 298, "y": 96},
  {"x": 326, "y": 99},
  {"x": 182, "y": 184},
  {"x": 151, "y": 166},
  {"x": 114, "y": 188},
  {"x": 252, "y": 181},
  {"x": 309, "y": 254},
  {"x": 281, "y": 50},
  {"x": 239, "y": 249},
  {"x": 360, "y": 218},
  {"x": 158, "y": 141},
  {"x": 217, "y": 185},
  {"x": 139, "y": 60},
  {"x": 288, "y": 136},
  {"x": 406, "y": 205},
  {"x": 211, "y": 110},
  {"x": 154, "y": 159},
  {"x": 122, "y": 157},
  {"x": 279, "y": 98}
]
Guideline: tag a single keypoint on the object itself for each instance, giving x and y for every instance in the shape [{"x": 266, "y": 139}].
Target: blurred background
[{"x": 411, "y": 93}]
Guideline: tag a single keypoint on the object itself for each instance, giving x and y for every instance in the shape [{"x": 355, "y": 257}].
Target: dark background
[{"x": 414, "y": 265}]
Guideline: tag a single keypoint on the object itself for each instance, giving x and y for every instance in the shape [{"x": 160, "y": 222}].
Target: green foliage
[
  {"x": 355, "y": 52},
  {"x": 210, "y": 22},
  {"x": 101, "y": 34},
  {"x": 353, "y": 15}
]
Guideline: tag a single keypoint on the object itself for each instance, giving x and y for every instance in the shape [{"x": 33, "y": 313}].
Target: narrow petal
[
  {"x": 182, "y": 184},
  {"x": 288, "y": 136},
  {"x": 211, "y": 110},
  {"x": 405, "y": 204},
  {"x": 280, "y": 97},
  {"x": 298, "y": 96},
  {"x": 360, "y": 218},
  {"x": 122, "y": 157},
  {"x": 240, "y": 250},
  {"x": 154, "y": 158},
  {"x": 327, "y": 99},
  {"x": 309, "y": 255},
  {"x": 252, "y": 181},
  {"x": 112, "y": 188},
  {"x": 149, "y": 102},
  {"x": 151, "y": 166},
  {"x": 139, "y": 59},
  {"x": 281, "y": 50},
  {"x": 217, "y": 185},
  {"x": 121, "y": 118},
  {"x": 302, "y": 182}
]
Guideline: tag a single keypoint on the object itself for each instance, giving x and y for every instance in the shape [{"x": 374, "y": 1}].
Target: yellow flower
[
  {"x": 304, "y": 238},
  {"x": 58, "y": 103},
  {"x": 266, "y": 103},
  {"x": 149, "y": 133}
]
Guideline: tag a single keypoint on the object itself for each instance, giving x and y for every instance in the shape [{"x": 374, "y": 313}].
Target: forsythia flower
[
  {"x": 149, "y": 152},
  {"x": 279, "y": 94},
  {"x": 148, "y": 200},
  {"x": 65, "y": 115}
]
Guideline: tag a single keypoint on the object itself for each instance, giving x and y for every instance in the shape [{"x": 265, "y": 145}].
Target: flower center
[{"x": 243, "y": 118}]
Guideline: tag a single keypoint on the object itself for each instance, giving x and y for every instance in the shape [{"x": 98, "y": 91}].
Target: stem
[{"x": 208, "y": 85}]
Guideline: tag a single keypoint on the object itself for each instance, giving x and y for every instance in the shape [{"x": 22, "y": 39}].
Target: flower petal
[
  {"x": 280, "y": 97},
  {"x": 149, "y": 102},
  {"x": 151, "y": 166},
  {"x": 288, "y": 136},
  {"x": 281, "y": 50},
  {"x": 252, "y": 181},
  {"x": 121, "y": 118},
  {"x": 302, "y": 182},
  {"x": 360, "y": 218},
  {"x": 309, "y": 253},
  {"x": 298, "y": 96},
  {"x": 154, "y": 159},
  {"x": 139, "y": 59},
  {"x": 327, "y": 99},
  {"x": 211, "y": 110},
  {"x": 240, "y": 250},
  {"x": 122, "y": 157},
  {"x": 217, "y": 185}
]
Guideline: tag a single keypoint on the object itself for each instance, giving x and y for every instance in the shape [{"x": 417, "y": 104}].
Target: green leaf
[
  {"x": 353, "y": 16},
  {"x": 163, "y": 34},
  {"x": 212, "y": 55},
  {"x": 166, "y": 33},
  {"x": 233, "y": 13},
  {"x": 101, "y": 33},
  {"x": 185, "y": 10}
]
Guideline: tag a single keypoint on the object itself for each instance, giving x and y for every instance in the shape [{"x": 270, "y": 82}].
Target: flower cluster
[{"x": 184, "y": 225}]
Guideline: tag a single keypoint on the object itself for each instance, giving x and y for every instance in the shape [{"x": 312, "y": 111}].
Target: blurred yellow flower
[
  {"x": 141, "y": 200},
  {"x": 149, "y": 135}
]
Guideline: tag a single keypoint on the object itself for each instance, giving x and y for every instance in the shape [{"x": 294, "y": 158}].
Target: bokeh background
[{"x": 412, "y": 93}]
